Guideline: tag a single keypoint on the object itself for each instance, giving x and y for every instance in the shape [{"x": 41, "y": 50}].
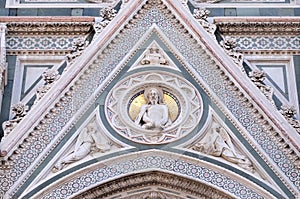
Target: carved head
[{"x": 153, "y": 95}]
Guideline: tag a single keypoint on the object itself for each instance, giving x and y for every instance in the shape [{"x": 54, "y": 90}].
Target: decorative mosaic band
[
  {"x": 147, "y": 162},
  {"x": 268, "y": 43}
]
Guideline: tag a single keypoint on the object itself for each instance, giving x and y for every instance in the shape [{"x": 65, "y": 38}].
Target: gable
[{"x": 201, "y": 62}]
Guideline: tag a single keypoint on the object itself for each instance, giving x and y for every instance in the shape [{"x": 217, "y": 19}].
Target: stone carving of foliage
[
  {"x": 229, "y": 46},
  {"x": 257, "y": 77},
  {"x": 79, "y": 46},
  {"x": 289, "y": 113},
  {"x": 201, "y": 15},
  {"x": 49, "y": 76},
  {"x": 19, "y": 110},
  {"x": 107, "y": 14}
]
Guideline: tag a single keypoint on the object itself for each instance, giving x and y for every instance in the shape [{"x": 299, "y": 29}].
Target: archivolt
[{"x": 153, "y": 184}]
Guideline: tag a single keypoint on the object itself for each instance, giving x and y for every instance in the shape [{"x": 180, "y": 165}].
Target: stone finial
[
  {"x": 289, "y": 113},
  {"x": 19, "y": 110},
  {"x": 229, "y": 46},
  {"x": 201, "y": 15},
  {"x": 49, "y": 76},
  {"x": 257, "y": 77}
]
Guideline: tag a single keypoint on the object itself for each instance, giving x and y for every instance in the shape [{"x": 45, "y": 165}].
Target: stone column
[{"x": 3, "y": 64}]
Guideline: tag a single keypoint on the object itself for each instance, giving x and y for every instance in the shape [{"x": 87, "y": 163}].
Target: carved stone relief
[
  {"x": 79, "y": 46},
  {"x": 201, "y": 15},
  {"x": 154, "y": 57},
  {"x": 217, "y": 142},
  {"x": 107, "y": 14},
  {"x": 153, "y": 185},
  {"x": 257, "y": 77},
  {"x": 289, "y": 113},
  {"x": 89, "y": 141},
  {"x": 19, "y": 110},
  {"x": 49, "y": 76},
  {"x": 229, "y": 46},
  {"x": 153, "y": 108}
]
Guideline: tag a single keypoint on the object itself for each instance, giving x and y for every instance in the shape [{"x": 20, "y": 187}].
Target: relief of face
[{"x": 153, "y": 96}]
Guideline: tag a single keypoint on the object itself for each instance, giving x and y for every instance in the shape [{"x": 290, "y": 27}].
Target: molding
[
  {"x": 258, "y": 25},
  {"x": 62, "y": 4}
]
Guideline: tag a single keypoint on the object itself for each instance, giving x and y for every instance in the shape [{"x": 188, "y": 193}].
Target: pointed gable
[{"x": 51, "y": 128}]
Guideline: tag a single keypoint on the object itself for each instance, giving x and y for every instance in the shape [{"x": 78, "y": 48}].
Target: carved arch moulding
[{"x": 132, "y": 113}]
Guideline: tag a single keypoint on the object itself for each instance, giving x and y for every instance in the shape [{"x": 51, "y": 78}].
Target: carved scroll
[{"x": 79, "y": 46}]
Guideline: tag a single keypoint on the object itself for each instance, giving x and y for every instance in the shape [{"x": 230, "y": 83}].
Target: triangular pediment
[{"x": 191, "y": 73}]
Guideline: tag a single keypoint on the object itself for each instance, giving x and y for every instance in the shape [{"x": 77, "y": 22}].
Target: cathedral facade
[{"x": 150, "y": 99}]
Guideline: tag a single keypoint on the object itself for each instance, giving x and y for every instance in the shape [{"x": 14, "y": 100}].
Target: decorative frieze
[
  {"x": 260, "y": 26},
  {"x": 154, "y": 185},
  {"x": 41, "y": 37},
  {"x": 276, "y": 35}
]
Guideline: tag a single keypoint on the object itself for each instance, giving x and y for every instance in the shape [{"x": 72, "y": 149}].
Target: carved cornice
[
  {"x": 47, "y": 25},
  {"x": 258, "y": 26},
  {"x": 133, "y": 184}
]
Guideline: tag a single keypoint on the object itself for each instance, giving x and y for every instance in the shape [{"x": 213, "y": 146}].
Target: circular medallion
[{"x": 153, "y": 108}]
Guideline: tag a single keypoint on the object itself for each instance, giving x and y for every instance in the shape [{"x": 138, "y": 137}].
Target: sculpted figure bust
[{"x": 153, "y": 115}]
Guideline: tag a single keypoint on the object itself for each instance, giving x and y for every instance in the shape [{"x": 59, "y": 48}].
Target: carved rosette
[{"x": 124, "y": 103}]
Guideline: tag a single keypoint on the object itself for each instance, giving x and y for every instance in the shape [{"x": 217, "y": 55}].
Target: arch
[
  {"x": 92, "y": 176},
  {"x": 153, "y": 184}
]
